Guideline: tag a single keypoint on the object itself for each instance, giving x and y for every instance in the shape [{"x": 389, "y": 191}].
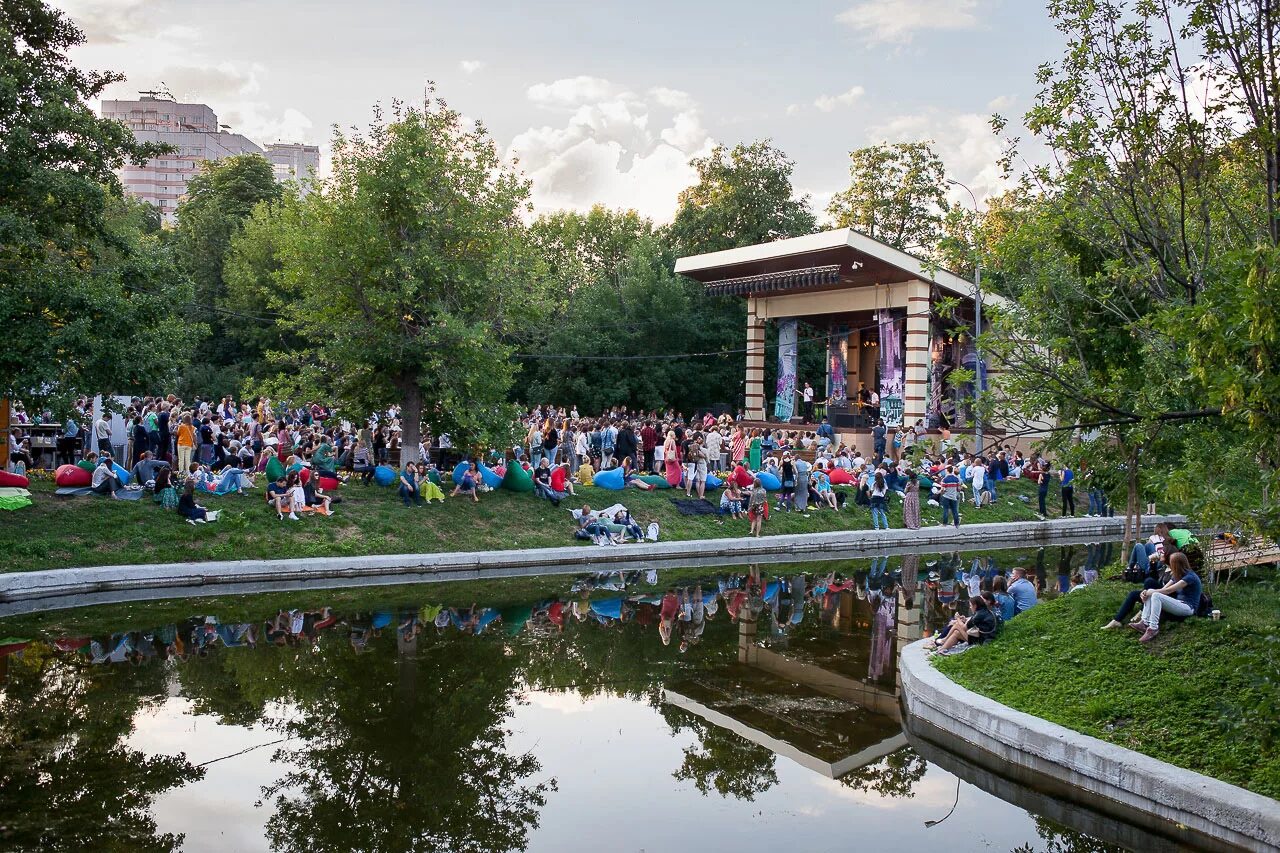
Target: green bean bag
[
  {"x": 434, "y": 476},
  {"x": 517, "y": 479},
  {"x": 655, "y": 480},
  {"x": 275, "y": 469}
]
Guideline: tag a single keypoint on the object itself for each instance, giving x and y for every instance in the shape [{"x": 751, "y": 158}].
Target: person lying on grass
[
  {"x": 981, "y": 625},
  {"x": 1179, "y": 597}
]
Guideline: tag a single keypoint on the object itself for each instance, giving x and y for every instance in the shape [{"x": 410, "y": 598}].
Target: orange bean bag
[
  {"x": 14, "y": 480},
  {"x": 328, "y": 483},
  {"x": 840, "y": 477},
  {"x": 72, "y": 476}
]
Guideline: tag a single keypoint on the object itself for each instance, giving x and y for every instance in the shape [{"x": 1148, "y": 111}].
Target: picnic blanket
[
  {"x": 694, "y": 506},
  {"x": 14, "y": 497},
  {"x": 73, "y": 491}
]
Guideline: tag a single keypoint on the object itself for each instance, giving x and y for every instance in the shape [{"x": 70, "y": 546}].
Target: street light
[{"x": 977, "y": 323}]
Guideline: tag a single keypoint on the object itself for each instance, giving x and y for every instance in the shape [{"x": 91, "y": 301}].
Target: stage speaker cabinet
[{"x": 841, "y": 417}]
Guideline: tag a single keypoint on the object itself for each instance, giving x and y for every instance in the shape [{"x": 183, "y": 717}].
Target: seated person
[
  {"x": 144, "y": 472},
  {"x": 470, "y": 480},
  {"x": 586, "y": 474},
  {"x": 588, "y": 523},
  {"x": 1179, "y": 598},
  {"x": 630, "y": 478},
  {"x": 820, "y": 491},
  {"x": 542, "y": 483},
  {"x": 1158, "y": 575},
  {"x": 104, "y": 480},
  {"x": 731, "y": 500},
  {"x": 165, "y": 494},
  {"x": 630, "y": 528},
  {"x": 410, "y": 492},
  {"x": 315, "y": 496},
  {"x": 278, "y": 495},
  {"x": 976, "y": 629},
  {"x": 192, "y": 511}
]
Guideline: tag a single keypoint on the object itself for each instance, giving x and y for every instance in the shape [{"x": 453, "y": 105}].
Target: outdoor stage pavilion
[{"x": 874, "y": 307}]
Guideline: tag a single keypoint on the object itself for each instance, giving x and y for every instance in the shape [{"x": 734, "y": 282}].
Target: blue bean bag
[
  {"x": 491, "y": 477},
  {"x": 384, "y": 475},
  {"x": 121, "y": 473},
  {"x": 610, "y": 479},
  {"x": 770, "y": 482},
  {"x": 714, "y": 482},
  {"x": 459, "y": 470}
]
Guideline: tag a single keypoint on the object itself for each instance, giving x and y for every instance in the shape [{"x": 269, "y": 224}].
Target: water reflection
[{"x": 395, "y": 709}]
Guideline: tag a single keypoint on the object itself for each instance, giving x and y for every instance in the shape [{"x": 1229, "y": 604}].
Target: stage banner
[
  {"x": 838, "y": 364},
  {"x": 892, "y": 366},
  {"x": 784, "y": 405}
]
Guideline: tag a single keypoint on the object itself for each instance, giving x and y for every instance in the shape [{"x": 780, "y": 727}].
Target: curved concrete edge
[
  {"x": 1206, "y": 805},
  {"x": 468, "y": 565}
]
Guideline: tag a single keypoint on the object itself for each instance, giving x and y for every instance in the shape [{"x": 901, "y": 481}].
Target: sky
[{"x": 603, "y": 102}]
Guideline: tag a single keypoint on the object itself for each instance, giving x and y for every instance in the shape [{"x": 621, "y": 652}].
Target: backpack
[{"x": 1205, "y": 607}]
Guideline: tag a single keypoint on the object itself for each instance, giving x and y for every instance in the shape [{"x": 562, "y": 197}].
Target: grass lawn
[
  {"x": 88, "y": 531},
  {"x": 1202, "y": 696}
]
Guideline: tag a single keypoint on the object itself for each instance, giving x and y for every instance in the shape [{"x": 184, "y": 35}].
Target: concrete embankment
[{"x": 54, "y": 588}]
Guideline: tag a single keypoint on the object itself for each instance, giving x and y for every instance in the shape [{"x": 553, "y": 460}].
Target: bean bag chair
[
  {"x": 328, "y": 483},
  {"x": 86, "y": 465},
  {"x": 384, "y": 475},
  {"x": 611, "y": 479},
  {"x": 16, "y": 481},
  {"x": 72, "y": 476},
  {"x": 517, "y": 479},
  {"x": 839, "y": 477},
  {"x": 275, "y": 469},
  {"x": 655, "y": 480},
  {"x": 434, "y": 476},
  {"x": 769, "y": 481},
  {"x": 304, "y": 475},
  {"x": 743, "y": 477},
  {"x": 121, "y": 473},
  {"x": 925, "y": 483},
  {"x": 714, "y": 482},
  {"x": 491, "y": 478},
  {"x": 500, "y": 470},
  {"x": 459, "y": 470}
]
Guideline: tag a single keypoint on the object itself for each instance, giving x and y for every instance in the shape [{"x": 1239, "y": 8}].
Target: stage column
[
  {"x": 915, "y": 400},
  {"x": 755, "y": 363}
]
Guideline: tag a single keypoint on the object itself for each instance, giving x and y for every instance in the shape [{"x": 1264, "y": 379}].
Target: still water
[{"x": 742, "y": 708}]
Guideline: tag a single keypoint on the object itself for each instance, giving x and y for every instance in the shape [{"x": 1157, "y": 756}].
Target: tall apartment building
[
  {"x": 193, "y": 131},
  {"x": 294, "y": 162}
]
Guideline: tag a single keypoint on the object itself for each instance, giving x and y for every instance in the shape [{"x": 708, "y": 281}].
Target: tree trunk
[
  {"x": 410, "y": 422},
  {"x": 1133, "y": 508}
]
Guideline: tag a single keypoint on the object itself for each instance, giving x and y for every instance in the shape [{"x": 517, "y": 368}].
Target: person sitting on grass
[
  {"x": 1157, "y": 576},
  {"x": 145, "y": 471},
  {"x": 973, "y": 630},
  {"x": 362, "y": 462},
  {"x": 631, "y": 478},
  {"x": 105, "y": 481},
  {"x": 542, "y": 483},
  {"x": 315, "y": 496},
  {"x": 165, "y": 494},
  {"x": 1179, "y": 597},
  {"x": 192, "y": 511},
  {"x": 1004, "y": 601},
  {"x": 560, "y": 481},
  {"x": 630, "y": 528},
  {"x": 470, "y": 480},
  {"x": 820, "y": 491},
  {"x": 757, "y": 507},
  {"x": 1022, "y": 591},
  {"x": 731, "y": 500},
  {"x": 278, "y": 495},
  {"x": 409, "y": 490}
]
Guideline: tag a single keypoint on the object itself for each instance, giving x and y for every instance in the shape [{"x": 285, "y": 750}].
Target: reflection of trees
[
  {"x": 385, "y": 766},
  {"x": 894, "y": 776},
  {"x": 1058, "y": 839},
  {"x": 68, "y": 781},
  {"x": 727, "y": 762}
]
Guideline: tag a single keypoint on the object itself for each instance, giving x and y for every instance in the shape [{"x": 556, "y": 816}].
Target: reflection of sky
[{"x": 613, "y": 759}]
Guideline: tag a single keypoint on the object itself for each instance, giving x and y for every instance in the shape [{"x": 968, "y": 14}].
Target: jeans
[
  {"x": 552, "y": 453},
  {"x": 879, "y": 516},
  {"x": 1131, "y": 600},
  {"x": 365, "y": 472},
  {"x": 406, "y": 493},
  {"x": 1158, "y": 603},
  {"x": 535, "y": 456},
  {"x": 1042, "y": 495},
  {"x": 1140, "y": 557},
  {"x": 952, "y": 506},
  {"x": 648, "y": 460},
  {"x": 1068, "y": 500}
]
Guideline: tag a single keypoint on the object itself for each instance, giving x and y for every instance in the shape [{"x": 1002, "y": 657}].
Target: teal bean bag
[
  {"x": 926, "y": 483},
  {"x": 517, "y": 479},
  {"x": 610, "y": 479},
  {"x": 385, "y": 475},
  {"x": 459, "y": 470},
  {"x": 121, "y": 473},
  {"x": 434, "y": 476},
  {"x": 714, "y": 482},
  {"x": 769, "y": 481},
  {"x": 274, "y": 469},
  {"x": 491, "y": 478},
  {"x": 655, "y": 480}
]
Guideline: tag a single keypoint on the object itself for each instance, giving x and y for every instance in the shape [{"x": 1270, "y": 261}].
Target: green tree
[
  {"x": 219, "y": 199},
  {"x": 85, "y": 297},
  {"x": 407, "y": 273},
  {"x": 896, "y": 194}
]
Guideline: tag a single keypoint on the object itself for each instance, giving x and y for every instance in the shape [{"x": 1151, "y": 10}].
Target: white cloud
[
  {"x": 616, "y": 147},
  {"x": 897, "y": 21},
  {"x": 471, "y": 66},
  {"x": 828, "y": 103},
  {"x": 111, "y": 21},
  {"x": 965, "y": 142},
  {"x": 569, "y": 91}
]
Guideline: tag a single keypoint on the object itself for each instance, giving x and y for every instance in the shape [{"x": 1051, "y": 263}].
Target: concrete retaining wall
[
  {"x": 471, "y": 565},
  {"x": 1136, "y": 782}
]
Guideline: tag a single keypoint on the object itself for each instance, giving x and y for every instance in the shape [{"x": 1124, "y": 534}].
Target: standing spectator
[
  {"x": 950, "y": 498},
  {"x": 1068, "y": 477},
  {"x": 186, "y": 443},
  {"x": 878, "y": 441},
  {"x": 911, "y": 502},
  {"x": 102, "y": 432},
  {"x": 648, "y": 443},
  {"x": 808, "y": 403}
]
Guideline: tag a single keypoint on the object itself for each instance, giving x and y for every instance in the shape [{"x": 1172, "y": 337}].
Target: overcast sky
[{"x": 606, "y": 101}]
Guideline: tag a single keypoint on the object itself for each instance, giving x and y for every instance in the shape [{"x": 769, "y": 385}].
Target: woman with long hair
[{"x": 911, "y": 502}]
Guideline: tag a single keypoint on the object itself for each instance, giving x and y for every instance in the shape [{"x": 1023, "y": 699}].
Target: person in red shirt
[
  {"x": 648, "y": 442},
  {"x": 560, "y": 481}
]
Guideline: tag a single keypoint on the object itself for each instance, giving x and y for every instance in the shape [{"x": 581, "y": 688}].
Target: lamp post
[{"x": 977, "y": 323}]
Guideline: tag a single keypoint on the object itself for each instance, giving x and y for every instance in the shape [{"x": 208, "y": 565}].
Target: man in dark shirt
[{"x": 648, "y": 442}]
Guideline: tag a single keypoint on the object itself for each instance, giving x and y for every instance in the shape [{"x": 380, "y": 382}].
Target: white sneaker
[
  {"x": 200, "y": 521},
  {"x": 294, "y": 517}
]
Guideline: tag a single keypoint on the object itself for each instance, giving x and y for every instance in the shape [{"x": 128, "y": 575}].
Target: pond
[{"x": 555, "y": 713}]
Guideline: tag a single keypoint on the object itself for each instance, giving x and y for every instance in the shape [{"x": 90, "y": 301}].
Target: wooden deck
[{"x": 1229, "y": 554}]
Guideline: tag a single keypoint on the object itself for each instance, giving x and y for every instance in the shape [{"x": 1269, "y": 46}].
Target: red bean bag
[
  {"x": 11, "y": 480},
  {"x": 304, "y": 476},
  {"x": 72, "y": 476},
  {"x": 840, "y": 477},
  {"x": 328, "y": 483},
  {"x": 743, "y": 477}
]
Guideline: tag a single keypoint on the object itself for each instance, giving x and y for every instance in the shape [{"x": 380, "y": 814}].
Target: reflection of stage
[{"x": 825, "y": 734}]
